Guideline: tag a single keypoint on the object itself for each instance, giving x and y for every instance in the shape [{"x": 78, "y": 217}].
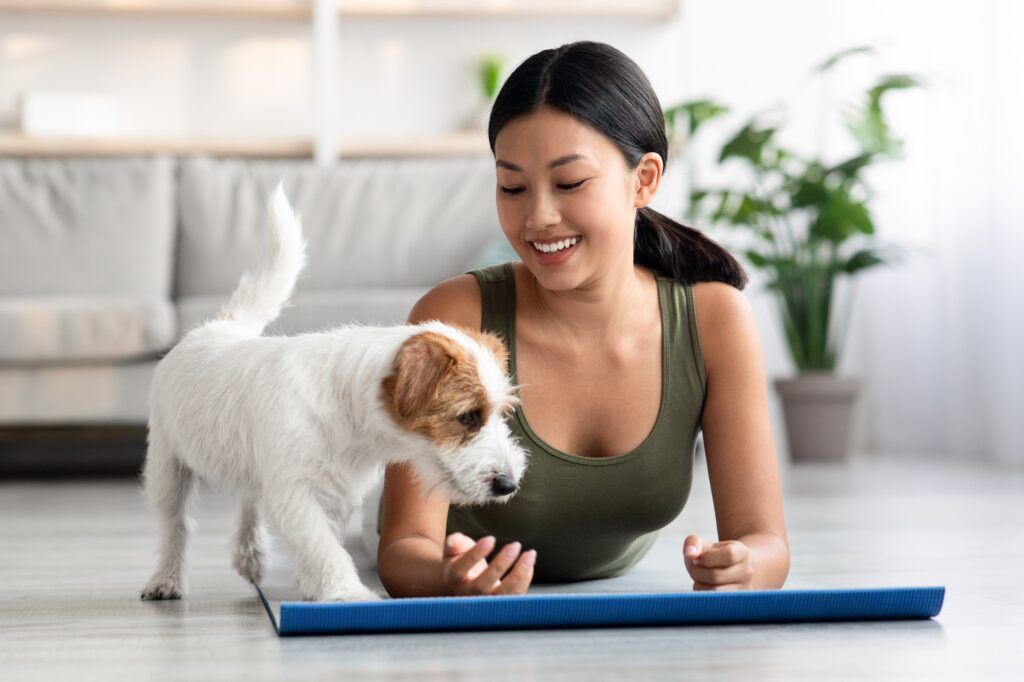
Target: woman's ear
[{"x": 647, "y": 178}]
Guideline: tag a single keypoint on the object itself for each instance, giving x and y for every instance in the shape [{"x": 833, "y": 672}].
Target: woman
[{"x": 627, "y": 332}]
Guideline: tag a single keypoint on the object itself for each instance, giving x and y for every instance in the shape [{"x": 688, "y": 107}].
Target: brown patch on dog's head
[
  {"x": 493, "y": 343},
  {"x": 435, "y": 390}
]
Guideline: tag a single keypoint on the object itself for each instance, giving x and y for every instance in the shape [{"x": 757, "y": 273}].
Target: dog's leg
[
  {"x": 249, "y": 548},
  {"x": 324, "y": 569},
  {"x": 169, "y": 485}
]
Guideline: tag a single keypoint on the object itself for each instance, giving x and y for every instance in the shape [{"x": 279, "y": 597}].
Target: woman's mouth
[{"x": 557, "y": 252}]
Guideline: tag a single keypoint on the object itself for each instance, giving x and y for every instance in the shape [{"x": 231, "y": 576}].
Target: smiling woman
[{"x": 627, "y": 334}]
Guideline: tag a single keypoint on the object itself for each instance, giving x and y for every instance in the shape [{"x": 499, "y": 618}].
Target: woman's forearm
[
  {"x": 770, "y": 556},
  {"x": 411, "y": 567}
]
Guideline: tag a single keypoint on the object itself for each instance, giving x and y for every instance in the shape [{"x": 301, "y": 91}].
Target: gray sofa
[{"x": 105, "y": 263}]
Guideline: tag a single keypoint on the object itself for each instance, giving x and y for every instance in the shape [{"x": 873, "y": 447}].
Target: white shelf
[
  {"x": 278, "y": 9},
  {"x": 301, "y": 9},
  {"x": 325, "y": 39},
  {"x": 638, "y": 9},
  {"x": 456, "y": 144}
]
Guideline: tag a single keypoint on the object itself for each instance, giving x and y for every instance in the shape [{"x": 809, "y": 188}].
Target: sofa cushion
[
  {"x": 84, "y": 328},
  {"x": 86, "y": 226},
  {"x": 99, "y": 393},
  {"x": 316, "y": 310},
  {"x": 368, "y": 222}
]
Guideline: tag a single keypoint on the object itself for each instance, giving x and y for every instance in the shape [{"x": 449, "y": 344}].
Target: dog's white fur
[{"x": 298, "y": 425}]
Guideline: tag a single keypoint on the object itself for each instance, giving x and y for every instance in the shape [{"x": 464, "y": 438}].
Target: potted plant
[{"x": 807, "y": 224}]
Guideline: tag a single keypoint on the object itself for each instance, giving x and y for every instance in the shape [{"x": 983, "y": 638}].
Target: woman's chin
[{"x": 563, "y": 280}]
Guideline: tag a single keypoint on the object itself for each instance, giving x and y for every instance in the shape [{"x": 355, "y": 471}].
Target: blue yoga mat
[{"x": 539, "y": 611}]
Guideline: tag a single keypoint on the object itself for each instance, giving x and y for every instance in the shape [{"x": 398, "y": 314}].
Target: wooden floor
[{"x": 74, "y": 555}]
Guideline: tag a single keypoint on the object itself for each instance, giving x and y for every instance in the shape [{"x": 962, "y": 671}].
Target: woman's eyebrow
[{"x": 560, "y": 161}]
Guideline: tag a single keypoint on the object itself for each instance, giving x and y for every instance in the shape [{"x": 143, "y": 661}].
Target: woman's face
[{"x": 563, "y": 185}]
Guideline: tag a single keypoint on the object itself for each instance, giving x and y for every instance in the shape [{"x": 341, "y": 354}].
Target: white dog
[{"x": 303, "y": 425}]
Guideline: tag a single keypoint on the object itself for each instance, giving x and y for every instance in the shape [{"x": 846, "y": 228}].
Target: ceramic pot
[{"x": 818, "y": 408}]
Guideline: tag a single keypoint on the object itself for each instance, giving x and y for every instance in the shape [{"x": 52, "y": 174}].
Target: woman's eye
[{"x": 512, "y": 191}]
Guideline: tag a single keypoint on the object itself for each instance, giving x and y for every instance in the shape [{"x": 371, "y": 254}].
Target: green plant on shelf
[{"x": 489, "y": 70}]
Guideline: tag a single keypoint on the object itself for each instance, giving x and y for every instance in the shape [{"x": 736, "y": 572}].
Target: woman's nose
[{"x": 543, "y": 213}]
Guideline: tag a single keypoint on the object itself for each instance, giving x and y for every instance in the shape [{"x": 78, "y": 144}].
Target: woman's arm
[
  {"x": 411, "y": 543},
  {"x": 753, "y": 549},
  {"x": 414, "y": 558}
]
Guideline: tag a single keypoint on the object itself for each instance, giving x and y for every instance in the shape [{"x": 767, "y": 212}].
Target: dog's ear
[
  {"x": 493, "y": 343},
  {"x": 421, "y": 363}
]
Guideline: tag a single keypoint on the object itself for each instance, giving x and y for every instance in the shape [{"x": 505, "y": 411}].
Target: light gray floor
[{"x": 73, "y": 557}]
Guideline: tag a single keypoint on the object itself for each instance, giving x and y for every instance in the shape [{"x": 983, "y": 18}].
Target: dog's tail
[{"x": 262, "y": 293}]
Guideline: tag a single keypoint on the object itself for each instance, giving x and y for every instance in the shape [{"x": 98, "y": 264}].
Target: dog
[{"x": 303, "y": 425}]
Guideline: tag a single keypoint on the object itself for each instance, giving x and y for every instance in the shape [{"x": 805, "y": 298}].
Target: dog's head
[{"x": 449, "y": 385}]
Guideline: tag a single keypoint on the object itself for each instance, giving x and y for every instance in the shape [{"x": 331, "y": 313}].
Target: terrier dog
[{"x": 303, "y": 425}]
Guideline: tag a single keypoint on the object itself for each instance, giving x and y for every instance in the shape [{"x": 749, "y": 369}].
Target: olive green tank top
[{"x": 596, "y": 517}]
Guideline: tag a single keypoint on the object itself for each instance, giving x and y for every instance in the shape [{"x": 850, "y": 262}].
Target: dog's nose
[{"x": 503, "y": 485}]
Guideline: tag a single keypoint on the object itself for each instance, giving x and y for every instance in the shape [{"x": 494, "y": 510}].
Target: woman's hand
[
  {"x": 466, "y": 571},
  {"x": 718, "y": 567}
]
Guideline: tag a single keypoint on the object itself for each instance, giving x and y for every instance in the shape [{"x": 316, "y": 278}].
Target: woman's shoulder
[
  {"x": 719, "y": 299},
  {"x": 455, "y": 300},
  {"x": 725, "y": 321}
]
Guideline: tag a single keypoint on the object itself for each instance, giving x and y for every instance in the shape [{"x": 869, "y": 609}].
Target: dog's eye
[{"x": 470, "y": 419}]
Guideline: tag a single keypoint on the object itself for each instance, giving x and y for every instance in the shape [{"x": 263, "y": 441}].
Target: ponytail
[{"x": 682, "y": 252}]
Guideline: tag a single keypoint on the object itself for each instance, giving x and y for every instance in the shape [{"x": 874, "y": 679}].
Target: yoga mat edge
[{"x": 547, "y": 611}]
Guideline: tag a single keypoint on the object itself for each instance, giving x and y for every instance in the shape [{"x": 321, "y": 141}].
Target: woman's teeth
[{"x": 556, "y": 246}]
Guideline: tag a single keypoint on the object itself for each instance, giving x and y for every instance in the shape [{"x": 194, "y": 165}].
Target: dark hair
[{"x": 605, "y": 89}]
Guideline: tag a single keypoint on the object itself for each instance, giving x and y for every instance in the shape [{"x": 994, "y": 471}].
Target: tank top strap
[
  {"x": 689, "y": 376},
  {"x": 498, "y": 299}
]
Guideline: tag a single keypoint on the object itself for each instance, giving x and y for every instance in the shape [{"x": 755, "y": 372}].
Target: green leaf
[
  {"x": 896, "y": 81},
  {"x": 703, "y": 111},
  {"x": 809, "y": 189},
  {"x": 696, "y": 113},
  {"x": 851, "y": 167},
  {"x": 757, "y": 260},
  {"x": 870, "y": 130},
  {"x": 722, "y": 212},
  {"x": 841, "y": 217},
  {"x": 748, "y": 144},
  {"x": 840, "y": 56},
  {"x": 746, "y": 213},
  {"x": 868, "y": 125},
  {"x": 862, "y": 260}
]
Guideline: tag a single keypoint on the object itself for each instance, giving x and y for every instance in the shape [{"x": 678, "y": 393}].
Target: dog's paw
[
  {"x": 249, "y": 564},
  {"x": 163, "y": 588},
  {"x": 359, "y": 593}
]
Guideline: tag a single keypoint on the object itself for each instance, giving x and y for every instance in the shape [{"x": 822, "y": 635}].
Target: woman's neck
[{"x": 608, "y": 306}]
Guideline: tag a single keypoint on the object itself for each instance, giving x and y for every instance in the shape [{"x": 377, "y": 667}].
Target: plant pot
[{"x": 818, "y": 408}]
